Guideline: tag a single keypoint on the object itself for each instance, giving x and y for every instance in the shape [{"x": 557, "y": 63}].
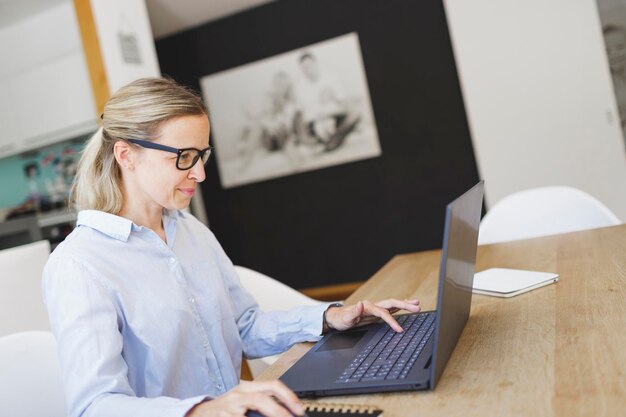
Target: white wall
[
  {"x": 38, "y": 39},
  {"x": 45, "y": 94},
  {"x": 118, "y": 18},
  {"x": 538, "y": 96}
]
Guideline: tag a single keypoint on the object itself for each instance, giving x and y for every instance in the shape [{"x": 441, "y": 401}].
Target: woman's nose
[{"x": 197, "y": 171}]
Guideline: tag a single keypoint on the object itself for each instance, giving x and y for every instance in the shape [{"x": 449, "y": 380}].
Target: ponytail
[{"x": 97, "y": 185}]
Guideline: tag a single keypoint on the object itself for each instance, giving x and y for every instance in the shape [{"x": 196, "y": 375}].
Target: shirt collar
[
  {"x": 111, "y": 225},
  {"x": 115, "y": 226},
  {"x": 173, "y": 214}
]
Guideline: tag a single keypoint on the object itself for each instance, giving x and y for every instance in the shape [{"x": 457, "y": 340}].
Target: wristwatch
[{"x": 325, "y": 326}]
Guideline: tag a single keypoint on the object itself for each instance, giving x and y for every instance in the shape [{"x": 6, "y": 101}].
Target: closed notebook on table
[{"x": 503, "y": 282}]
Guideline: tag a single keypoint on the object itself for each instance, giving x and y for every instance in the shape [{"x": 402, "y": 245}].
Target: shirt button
[
  {"x": 205, "y": 344},
  {"x": 219, "y": 386},
  {"x": 172, "y": 260},
  {"x": 192, "y": 300}
]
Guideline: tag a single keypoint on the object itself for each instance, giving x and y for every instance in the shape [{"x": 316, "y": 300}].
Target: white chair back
[
  {"x": 30, "y": 376},
  {"x": 271, "y": 295},
  {"x": 541, "y": 212},
  {"x": 21, "y": 302}
]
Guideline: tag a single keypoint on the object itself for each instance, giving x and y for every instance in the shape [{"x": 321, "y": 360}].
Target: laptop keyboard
[{"x": 391, "y": 355}]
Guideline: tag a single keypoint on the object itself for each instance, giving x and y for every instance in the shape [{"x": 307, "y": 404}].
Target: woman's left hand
[{"x": 366, "y": 312}]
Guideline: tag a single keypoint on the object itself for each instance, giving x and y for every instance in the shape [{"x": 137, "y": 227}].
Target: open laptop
[{"x": 374, "y": 358}]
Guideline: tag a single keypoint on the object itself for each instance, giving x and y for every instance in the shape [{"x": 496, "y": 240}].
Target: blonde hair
[{"x": 135, "y": 111}]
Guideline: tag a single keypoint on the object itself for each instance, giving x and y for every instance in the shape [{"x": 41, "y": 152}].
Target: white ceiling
[
  {"x": 166, "y": 16},
  {"x": 12, "y": 11},
  {"x": 171, "y": 16}
]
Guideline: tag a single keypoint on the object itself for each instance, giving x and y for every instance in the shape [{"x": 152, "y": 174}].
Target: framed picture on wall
[
  {"x": 299, "y": 111},
  {"x": 613, "y": 19}
]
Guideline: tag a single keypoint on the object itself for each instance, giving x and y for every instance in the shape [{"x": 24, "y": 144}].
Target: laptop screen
[{"x": 458, "y": 259}]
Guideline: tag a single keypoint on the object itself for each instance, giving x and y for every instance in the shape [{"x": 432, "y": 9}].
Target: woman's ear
[{"x": 124, "y": 155}]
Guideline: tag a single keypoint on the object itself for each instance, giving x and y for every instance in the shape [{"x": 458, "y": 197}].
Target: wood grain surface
[{"x": 556, "y": 351}]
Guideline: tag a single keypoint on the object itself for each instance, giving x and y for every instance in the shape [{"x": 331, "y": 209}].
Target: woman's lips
[{"x": 188, "y": 191}]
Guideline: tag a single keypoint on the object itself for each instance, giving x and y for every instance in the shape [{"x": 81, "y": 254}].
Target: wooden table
[{"x": 559, "y": 350}]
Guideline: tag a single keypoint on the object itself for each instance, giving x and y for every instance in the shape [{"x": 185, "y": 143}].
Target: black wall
[{"x": 342, "y": 223}]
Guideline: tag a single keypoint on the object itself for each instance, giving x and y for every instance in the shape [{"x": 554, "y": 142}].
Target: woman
[{"x": 146, "y": 307}]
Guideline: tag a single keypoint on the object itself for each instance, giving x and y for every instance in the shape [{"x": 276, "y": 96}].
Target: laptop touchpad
[{"x": 344, "y": 340}]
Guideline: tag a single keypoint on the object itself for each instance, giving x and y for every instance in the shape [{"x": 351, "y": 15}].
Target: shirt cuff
[{"x": 311, "y": 322}]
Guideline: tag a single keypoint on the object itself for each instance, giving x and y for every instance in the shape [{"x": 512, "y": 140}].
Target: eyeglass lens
[{"x": 189, "y": 157}]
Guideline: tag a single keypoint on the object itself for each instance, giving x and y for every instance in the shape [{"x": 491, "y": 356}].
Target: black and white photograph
[
  {"x": 613, "y": 18},
  {"x": 299, "y": 111}
]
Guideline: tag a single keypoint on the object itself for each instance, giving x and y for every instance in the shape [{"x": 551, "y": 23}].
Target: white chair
[
  {"x": 271, "y": 295},
  {"x": 541, "y": 212},
  {"x": 21, "y": 302},
  {"x": 30, "y": 376}
]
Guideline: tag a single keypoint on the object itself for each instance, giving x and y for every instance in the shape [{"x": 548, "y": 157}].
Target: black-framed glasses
[{"x": 186, "y": 157}]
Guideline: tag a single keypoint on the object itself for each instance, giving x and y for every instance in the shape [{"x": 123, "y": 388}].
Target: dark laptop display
[{"x": 374, "y": 358}]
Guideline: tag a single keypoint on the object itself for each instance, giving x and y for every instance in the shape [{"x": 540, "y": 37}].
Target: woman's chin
[
  {"x": 183, "y": 206},
  {"x": 179, "y": 204}
]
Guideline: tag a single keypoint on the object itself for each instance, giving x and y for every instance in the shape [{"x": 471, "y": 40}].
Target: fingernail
[{"x": 299, "y": 409}]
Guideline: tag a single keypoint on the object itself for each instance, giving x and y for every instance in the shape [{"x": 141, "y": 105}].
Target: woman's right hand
[{"x": 255, "y": 395}]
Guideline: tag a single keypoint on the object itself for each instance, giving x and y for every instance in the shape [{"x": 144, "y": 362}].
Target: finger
[
  {"x": 286, "y": 396},
  {"x": 396, "y": 305},
  {"x": 275, "y": 388},
  {"x": 354, "y": 314},
  {"x": 412, "y": 305},
  {"x": 266, "y": 405},
  {"x": 367, "y": 320},
  {"x": 377, "y": 311},
  {"x": 358, "y": 309},
  {"x": 414, "y": 302}
]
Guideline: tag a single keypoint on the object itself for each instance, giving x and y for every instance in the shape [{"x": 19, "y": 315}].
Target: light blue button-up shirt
[{"x": 148, "y": 328}]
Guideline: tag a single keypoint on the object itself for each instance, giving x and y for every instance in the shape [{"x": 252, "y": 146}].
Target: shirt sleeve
[
  {"x": 265, "y": 333},
  {"x": 86, "y": 324}
]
